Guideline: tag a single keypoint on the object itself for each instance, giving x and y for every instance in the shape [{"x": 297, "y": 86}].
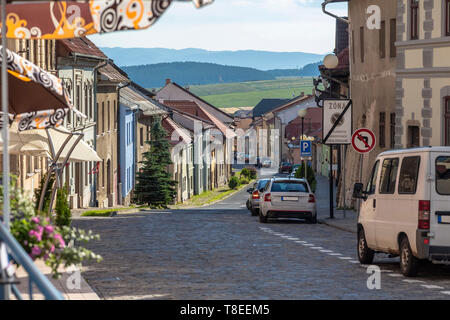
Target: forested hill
[
  {"x": 310, "y": 70},
  {"x": 192, "y": 73}
]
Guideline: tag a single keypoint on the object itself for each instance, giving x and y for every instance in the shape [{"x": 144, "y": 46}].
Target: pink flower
[
  {"x": 52, "y": 249},
  {"x": 49, "y": 229},
  {"x": 59, "y": 238},
  {"x": 35, "y": 219},
  {"x": 35, "y": 251},
  {"x": 46, "y": 256},
  {"x": 33, "y": 233}
]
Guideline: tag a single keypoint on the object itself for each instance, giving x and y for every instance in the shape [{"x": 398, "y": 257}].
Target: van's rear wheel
[
  {"x": 408, "y": 263},
  {"x": 365, "y": 254},
  {"x": 254, "y": 212}
]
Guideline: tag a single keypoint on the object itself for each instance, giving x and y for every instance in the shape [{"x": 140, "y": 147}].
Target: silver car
[
  {"x": 288, "y": 198},
  {"x": 253, "y": 198}
]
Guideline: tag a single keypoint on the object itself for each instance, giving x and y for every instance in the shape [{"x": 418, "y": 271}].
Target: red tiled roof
[
  {"x": 312, "y": 124},
  {"x": 171, "y": 126},
  {"x": 82, "y": 45},
  {"x": 193, "y": 108}
]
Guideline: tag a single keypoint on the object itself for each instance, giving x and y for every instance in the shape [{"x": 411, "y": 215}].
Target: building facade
[
  {"x": 77, "y": 63},
  {"x": 423, "y": 73}
]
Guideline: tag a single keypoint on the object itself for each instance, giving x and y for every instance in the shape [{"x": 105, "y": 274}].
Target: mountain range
[
  {"x": 262, "y": 60},
  {"x": 197, "y": 73}
]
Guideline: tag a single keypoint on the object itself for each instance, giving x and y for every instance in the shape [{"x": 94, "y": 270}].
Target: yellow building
[{"x": 423, "y": 73}]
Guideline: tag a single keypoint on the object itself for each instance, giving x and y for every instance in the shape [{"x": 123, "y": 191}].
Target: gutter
[{"x": 327, "y": 2}]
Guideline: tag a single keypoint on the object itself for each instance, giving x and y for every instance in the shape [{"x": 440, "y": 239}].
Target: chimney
[
  {"x": 302, "y": 94},
  {"x": 187, "y": 88},
  {"x": 168, "y": 81}
]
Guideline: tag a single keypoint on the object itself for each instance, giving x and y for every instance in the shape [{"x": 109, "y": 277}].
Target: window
[
  {"x": 371, "y": 186},
  {"x": 414, "y": 19},
  {"x": 289, "y": 186},
  {"x": 388, "y": 176},
  {"x": 382, "y": 42},
  {"x": 447, "y": 120},
  {"x": 413, "y": 136},
  {"x": 109, "y": 116},
  {"x": 141, "y": 136},
  {"x": 392, "y": 131},
  {"x": 393, "y": 38},
  {"x": 103, "y": 116},
  {"x": 353, "y": 46},
  {"x": 409, "y": 172},
  {"x": 361, "y": 43},
  {"x": 115, "y": 115},
  {"x": 382, "y": 129},
  {"x": 443, "y": 175},
  {"x": 447, "y": 17}
]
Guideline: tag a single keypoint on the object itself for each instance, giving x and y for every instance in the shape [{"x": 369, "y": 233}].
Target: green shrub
[
  {"x": 244, "y": 180},
  {"x": 63, "y": 214},
  {"x": 252, "y": 173},
  {"x": 234, "y": 182},
  {"x": 245, "y": 172},
  {"x": 300, "y": 173}
]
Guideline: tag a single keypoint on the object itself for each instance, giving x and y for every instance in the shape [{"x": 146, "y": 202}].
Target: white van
[{"x": 405, "y": 207}]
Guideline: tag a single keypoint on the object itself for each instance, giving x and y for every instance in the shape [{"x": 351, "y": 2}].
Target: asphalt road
[{"x": 222, "y": 252}]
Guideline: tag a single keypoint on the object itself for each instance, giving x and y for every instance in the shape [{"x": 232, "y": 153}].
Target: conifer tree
[{"x": 154, "y": 183}]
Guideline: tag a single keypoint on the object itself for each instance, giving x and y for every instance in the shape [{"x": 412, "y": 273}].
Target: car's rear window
[
  {"x": 443, "y": 175},
  {"x": 262, "y": 184},
  {"x": 289, "y": 186}
]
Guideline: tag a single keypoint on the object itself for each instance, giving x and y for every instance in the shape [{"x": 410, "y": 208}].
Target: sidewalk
[
  {"x": 345, "y": 221},
  {"x": 69, "y": 284}
]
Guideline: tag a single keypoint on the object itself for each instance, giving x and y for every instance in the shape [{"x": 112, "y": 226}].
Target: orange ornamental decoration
[{"x": 69, "y": 19}]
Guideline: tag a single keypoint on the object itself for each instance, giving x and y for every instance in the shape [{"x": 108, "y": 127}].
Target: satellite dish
[{"x": 331, "y": 61}]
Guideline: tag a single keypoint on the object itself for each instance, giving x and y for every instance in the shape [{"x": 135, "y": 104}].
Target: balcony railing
[{"x": 8, "y": 284}]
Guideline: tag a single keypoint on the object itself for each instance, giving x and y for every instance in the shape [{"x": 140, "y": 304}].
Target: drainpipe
[{"x": 324, "y": 4}]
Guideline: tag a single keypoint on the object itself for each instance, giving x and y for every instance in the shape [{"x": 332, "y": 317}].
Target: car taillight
[
  {"x": 256, "y": 194},
  {"x": 312, "y": 199},
  {"x": 267, "y": 197},
  {"x": 424, "y": 214}
]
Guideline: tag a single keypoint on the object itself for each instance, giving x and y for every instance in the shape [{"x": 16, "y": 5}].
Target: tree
[
  {"x": 154, "y": 184},
  {"x": 63, "y": 214},
  {"x": 300, "y": 173}
]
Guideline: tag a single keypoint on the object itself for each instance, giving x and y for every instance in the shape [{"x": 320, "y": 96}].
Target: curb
[{"x": 325, "y": 222}]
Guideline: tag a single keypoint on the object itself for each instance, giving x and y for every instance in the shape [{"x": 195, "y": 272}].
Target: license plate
[
  {"x": 444, "y": 219},
  {"x": 289, "y": 198}
]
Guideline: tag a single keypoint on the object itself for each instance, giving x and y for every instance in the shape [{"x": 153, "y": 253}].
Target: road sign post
[{"x": 337, "y": 130}]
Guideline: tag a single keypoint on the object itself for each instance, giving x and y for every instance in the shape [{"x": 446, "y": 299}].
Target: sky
[{"x": 271, "y": 25}]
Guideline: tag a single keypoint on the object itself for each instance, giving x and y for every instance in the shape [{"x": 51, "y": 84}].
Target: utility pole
[{"x": 331, "y": 183}]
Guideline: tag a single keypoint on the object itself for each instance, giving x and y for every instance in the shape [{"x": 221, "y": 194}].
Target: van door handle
[{"x": 374, "y": 203}]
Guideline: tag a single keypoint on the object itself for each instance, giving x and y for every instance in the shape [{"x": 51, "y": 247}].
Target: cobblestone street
[{"x": 222, "y": 252}]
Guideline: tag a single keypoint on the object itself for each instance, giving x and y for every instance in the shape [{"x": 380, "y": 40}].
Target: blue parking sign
[{"x": 305, "y": 148}]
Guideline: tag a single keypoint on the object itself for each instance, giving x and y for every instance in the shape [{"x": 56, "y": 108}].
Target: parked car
[
  {"x": 253, "y": 199},
  {"x": 285, "y": 167},
  {"x": 266, "y": 162},
  {"x": 405, "y": 208},
  {"x": 287, "y": 198}
]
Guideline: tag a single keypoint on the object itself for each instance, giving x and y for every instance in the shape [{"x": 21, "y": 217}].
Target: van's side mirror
[
  {"x": 250, "y": 190},
  {"x": 358, "y": 191}
]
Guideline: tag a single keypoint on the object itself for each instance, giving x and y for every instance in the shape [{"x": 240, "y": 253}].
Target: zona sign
[{"x": 363, "y": 140}]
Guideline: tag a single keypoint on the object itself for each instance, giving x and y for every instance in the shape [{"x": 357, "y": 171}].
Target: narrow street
[{"x": 222, "y": 252}]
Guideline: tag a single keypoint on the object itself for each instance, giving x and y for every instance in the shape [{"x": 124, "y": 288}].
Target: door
[
  {"x": 368, "y": 206},
  {"x": 440, "y": 199},
  {"x": 386, "y": 210}
]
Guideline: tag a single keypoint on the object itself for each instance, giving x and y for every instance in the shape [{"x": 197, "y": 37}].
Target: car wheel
[
  {"x": 312, "y": 220},
  {"x": 254, "y": 212},
  {"x": 248, "y": 204},
  {"x": 365, "y": 254},
  {"x": 408, "y": 263},
  {"x": 262, "y": 219}
]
